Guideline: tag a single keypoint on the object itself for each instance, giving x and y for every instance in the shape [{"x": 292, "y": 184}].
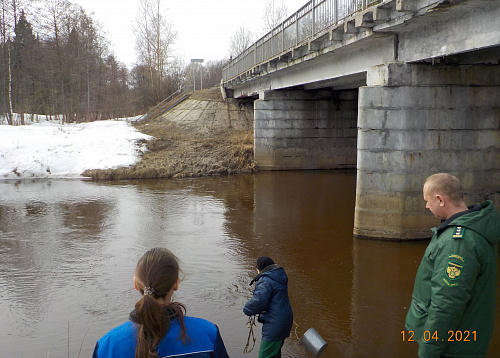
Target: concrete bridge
[{"x": 398, "y": 89}]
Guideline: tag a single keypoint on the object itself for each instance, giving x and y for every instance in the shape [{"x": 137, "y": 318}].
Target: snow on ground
[{"x": 53, "y": 150}]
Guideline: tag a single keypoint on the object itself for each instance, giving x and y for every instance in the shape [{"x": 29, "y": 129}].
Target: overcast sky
[{"x": 204, "y": 27}]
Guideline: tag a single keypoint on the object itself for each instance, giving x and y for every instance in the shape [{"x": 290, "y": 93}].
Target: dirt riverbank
[{"x": 204, "y": 135}]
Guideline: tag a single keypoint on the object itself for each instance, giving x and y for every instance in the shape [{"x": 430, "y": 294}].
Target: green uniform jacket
[{"x": 452, "y": 312}]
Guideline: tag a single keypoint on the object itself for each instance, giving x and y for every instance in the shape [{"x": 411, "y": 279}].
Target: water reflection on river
[{"x": 68, "y": 250}]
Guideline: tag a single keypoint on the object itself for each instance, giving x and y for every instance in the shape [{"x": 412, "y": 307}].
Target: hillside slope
[{"x": 204, "y": 135}]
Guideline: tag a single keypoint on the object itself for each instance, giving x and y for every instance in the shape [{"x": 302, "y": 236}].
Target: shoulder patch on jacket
[
  {"x": 459, "y": 232},
  {"x": 456, "y": 257},
  {"x": 453, "y": 272},
  {"x": 451, "y": 284}
]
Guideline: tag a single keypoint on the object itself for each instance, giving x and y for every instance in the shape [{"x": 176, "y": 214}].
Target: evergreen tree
[{"x": 24, "y": 69}]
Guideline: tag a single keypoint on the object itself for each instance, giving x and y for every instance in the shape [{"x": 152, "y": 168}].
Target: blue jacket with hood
[{"x": 270, "y": 301}]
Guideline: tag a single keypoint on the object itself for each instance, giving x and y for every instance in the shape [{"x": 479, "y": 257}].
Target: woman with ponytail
[{"x": 158, "y": 327}]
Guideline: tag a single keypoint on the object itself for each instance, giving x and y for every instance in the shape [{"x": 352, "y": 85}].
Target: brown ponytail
[{"x": 156, "y": 273}]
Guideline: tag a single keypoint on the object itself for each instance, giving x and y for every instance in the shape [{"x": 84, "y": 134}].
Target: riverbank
[{"x": 202, "y": 136}]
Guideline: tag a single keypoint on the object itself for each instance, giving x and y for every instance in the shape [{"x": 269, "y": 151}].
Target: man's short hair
[{"x": 447, "y": 185}]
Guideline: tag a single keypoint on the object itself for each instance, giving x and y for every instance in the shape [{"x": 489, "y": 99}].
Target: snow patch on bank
[{"x": 54, "y": 150}]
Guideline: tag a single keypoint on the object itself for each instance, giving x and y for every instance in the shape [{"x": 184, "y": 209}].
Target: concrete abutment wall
[
  {"x": 416, "y": 120},
  {"x": 410, "y": 121},
  {"x": 295, "y": 129}
]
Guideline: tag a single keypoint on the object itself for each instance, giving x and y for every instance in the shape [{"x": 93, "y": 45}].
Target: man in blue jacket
[{"x": 270, "y": 301}]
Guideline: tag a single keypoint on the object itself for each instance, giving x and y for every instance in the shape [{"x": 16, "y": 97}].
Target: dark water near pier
[{"x": 68, "y": 250}]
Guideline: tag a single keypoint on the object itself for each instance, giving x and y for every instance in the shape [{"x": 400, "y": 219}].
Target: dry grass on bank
[{"x": 179, "y": 153}]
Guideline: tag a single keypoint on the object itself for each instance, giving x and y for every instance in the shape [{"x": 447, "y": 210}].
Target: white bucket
[{"x": 313, "y": 342}]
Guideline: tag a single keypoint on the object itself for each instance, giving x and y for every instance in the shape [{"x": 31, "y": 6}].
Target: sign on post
[{"x": 197, "y": 60}]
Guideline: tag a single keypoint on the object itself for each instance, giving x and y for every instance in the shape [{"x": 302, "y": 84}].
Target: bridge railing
[{"x": 310, "y": 20}]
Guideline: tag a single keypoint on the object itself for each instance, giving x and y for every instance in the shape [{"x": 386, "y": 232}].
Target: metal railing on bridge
[
  {"x": 168, "y": 103},
  {"x": 310, "y": 20}
]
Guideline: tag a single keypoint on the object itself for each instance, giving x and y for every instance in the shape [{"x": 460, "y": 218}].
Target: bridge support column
[
  {"x": 416, "y": 120},
  {"x": 297, "y": 129}
]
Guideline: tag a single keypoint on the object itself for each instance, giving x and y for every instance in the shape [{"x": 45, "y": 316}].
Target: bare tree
[
  {"x": 155, "y": 37},
  {"x": 212, "y": 73},
  {"x": 274, "y": 14},
  {"x": 7, "y": 28},
  {"x": 56, "y": 14},
  {"x": 240, "y": 41},
  {"x": 73, "y": 62},
  {"x": 117, "y": 100}
]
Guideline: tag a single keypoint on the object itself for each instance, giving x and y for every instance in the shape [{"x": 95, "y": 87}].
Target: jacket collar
[
  {"x": 445, "y": 223},
  {"x": 264, "y": 270}
]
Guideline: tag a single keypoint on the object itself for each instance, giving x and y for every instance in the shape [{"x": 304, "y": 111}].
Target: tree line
[{"x": 55, "y": 61}]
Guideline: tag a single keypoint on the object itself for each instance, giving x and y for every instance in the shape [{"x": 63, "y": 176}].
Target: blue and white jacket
[{"x": 204, "y": 341}]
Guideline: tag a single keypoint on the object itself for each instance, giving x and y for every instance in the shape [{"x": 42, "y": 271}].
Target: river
[{"x": 68, "y": 250}]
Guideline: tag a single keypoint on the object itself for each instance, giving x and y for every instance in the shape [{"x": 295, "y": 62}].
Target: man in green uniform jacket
[{"x": 452, "y": 313}]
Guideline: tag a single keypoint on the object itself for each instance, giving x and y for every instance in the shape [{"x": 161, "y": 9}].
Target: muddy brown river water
[{"x": 68, "y": 250}]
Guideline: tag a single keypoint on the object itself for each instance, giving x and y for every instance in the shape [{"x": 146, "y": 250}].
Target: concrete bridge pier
[
  {"x": 416, "y": 120},
  {"x": 297, "y": 129}
]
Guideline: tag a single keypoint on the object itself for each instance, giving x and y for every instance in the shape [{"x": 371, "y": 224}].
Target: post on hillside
[{"x": 193, "y": 61}]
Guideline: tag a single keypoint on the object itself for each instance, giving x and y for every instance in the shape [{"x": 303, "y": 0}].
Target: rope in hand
[
  {"x": 296, "y": 326},
  {"x": 250, "y": 325}
]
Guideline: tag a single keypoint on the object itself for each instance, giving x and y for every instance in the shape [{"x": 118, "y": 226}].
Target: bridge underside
[
  {"x": 397, "y": 105},
  {"x": 409, "y": 121},
  {"x": 296, "y": 129}
]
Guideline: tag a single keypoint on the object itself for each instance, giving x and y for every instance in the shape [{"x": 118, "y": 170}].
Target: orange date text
[{"x": 452, "y": 336}]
